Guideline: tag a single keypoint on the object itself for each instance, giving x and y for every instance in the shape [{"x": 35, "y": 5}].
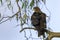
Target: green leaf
[
  {"x": 1, "y": 1},
  {"x": 0, "y": 15},
  {"x": 8, "y": 0},
  {"x": 17, "y": 1},
  {"x": 17, "y": 16},
  {"x": 25, "y": 17},
  {"x": 32, "y": 3},
  {"x": 23, "y": 5},
  {"x": 9, "y": 4},
  {"x": 21, "y": 20}
]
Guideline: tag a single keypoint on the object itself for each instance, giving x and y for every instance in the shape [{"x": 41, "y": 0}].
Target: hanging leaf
[
  {"x": 23, "y": 5},
  {"x": 0, "y": 15},
  {"x": 44, "y": 1},
  {"x": 17, "y": 16},
  {"x": 25, "y": 17},
  {"x": 17, "y": 1},
  {"x": 8, "y": 1},
  {"x": 26, "y": 3},
  {"x": 9, "y": 5},
  {"x": 1, "y": 1},
  {"x": 32, "y": 3},
  {"x": 21, "y": 20}
]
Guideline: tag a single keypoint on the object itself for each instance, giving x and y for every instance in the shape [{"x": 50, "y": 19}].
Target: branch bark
[
  {"x": 27, "y": 28},
  {"x": 52, "y": 35}
]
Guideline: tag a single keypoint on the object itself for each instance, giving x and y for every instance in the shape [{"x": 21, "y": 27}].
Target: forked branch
[
  {"x": 50, "y": 34},
  {"x": 53, "y": 34}
]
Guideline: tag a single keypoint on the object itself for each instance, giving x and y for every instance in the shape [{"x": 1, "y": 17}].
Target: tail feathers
[{"x": 41, "y": 33}]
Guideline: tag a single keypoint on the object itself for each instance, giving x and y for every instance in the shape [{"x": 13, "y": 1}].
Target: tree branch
[
  {"x": 52, "y": 35},
  {"x": 27, "y": 28}
]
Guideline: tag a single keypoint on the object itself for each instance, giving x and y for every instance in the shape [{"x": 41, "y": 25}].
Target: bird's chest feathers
[{"x": 37, "y": 16}]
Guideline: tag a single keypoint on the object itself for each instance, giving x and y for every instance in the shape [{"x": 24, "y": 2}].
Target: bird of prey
[{"x": 38, "y": 20}]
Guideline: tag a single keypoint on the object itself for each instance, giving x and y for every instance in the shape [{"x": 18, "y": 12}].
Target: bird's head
[{"x": 36, "y": 9}]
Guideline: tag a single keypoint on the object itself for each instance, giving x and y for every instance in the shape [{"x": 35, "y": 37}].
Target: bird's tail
[{"x": 41, "y": 32}]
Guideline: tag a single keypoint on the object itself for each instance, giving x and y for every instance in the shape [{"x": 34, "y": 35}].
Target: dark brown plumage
[{"x": 38, "y": 20}]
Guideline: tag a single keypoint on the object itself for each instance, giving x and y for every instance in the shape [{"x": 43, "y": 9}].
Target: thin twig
[{"x": 8, "y": 18}]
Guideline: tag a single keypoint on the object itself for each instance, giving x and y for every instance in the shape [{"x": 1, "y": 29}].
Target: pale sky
[{"x": 9, "y": 31}]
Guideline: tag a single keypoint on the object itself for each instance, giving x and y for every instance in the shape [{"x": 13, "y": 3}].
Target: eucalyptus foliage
[{"x": 23, "y": 9}]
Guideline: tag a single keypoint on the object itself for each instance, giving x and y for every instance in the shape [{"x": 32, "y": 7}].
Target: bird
[{"x": 38, "y": 20}]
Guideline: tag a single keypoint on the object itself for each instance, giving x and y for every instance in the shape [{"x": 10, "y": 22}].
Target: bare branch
[
  {"x": 8, "y": 18},
  {"x": 4, "y": 21},
  {"x": 27, "y": 28},
  {"x": 53, "y": 34},
  {"x": 50, "y": 34}
]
